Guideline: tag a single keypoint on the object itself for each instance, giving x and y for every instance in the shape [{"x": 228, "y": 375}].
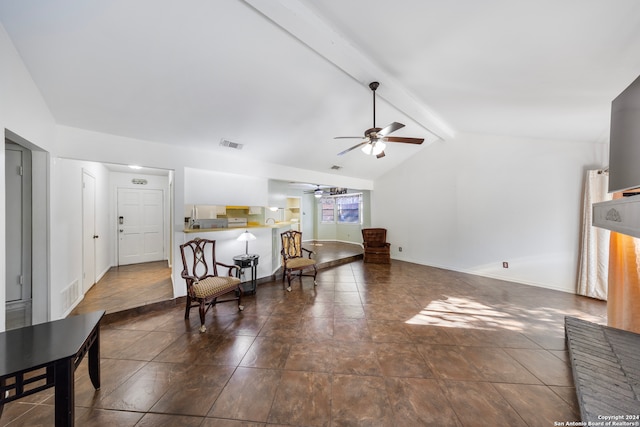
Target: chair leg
[
  {"x": 315, "y": 273},
  {"x": 240, "y": 306},
  {"x": 289, "y": 280},
  {"x": 188, "y": 308},
  {"x": 202, "y": 311}
]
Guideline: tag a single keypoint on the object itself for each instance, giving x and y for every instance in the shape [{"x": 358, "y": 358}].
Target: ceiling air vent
[
  {"x": 230, "y": 144},
  {"x": 336, "y": 167}
]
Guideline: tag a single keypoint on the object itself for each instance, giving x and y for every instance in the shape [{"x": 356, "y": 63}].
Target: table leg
[
  {"x": 94, "y": 360},
  {"x": 2, "y": 385},
  {"x": 64, "y": 393},
  {"x": 254, "y": 277}
]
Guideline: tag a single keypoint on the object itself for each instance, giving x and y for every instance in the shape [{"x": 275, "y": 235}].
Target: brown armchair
[
  {"x": 376, "y": 248},
  {"x": 204, "y": 285},
  {"x": 293, "y": 257}
]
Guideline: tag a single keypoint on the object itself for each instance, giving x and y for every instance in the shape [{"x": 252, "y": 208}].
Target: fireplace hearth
[{"x": 606, "y": 371}]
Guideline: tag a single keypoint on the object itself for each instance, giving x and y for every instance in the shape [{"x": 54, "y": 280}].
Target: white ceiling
[{"x": 283, "y": 77}]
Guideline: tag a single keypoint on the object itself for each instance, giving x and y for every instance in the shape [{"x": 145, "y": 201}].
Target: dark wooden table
[
  {"x": 38, "y": 357},
  {"x": 248, "y": 261}
]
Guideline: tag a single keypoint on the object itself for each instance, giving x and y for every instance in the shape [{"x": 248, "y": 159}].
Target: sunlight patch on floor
[{"x": 455, "y": 312}]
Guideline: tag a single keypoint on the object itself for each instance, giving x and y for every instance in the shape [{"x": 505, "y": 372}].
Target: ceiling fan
[
  {"x": 375, "y": 138},
  {"x": 319, "y": 192}
]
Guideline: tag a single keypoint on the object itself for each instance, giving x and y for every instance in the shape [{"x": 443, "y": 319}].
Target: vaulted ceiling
[{"x": 284, "y": 77}]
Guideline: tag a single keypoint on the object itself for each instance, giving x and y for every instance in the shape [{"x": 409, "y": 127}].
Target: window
[
  {"x": 348, "y": 208},
  {"x": 342, "y": 209},
  {"x": 328, "y": 211}
]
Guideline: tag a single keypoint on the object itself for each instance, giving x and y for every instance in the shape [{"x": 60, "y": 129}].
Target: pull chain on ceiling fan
[{"x": 375, "y": 138}]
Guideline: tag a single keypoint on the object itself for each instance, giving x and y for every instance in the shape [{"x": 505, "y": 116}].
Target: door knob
[{"x": 95, "y": 236}]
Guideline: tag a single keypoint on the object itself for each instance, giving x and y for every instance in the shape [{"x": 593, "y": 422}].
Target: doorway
[
  {"x": 292, "y": 213},
  {"x": 18, "y": 226},
  {"x": 140, "y": 226}
]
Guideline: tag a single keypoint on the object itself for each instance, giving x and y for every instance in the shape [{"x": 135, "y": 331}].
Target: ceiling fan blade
[
  {"x": 401, "y": 139},
  {"x": 353, "y": 148},
  {"x": 347, "y": 137},
  {"x": 390, "y": 128},
  {"x": 381, "y": 155}
]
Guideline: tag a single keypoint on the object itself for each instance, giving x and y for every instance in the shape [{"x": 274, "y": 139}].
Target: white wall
[
  {"x": 207, "y": 187},
  {"x": 471, "y": 203},
  {"x": 23, "y": 111}
]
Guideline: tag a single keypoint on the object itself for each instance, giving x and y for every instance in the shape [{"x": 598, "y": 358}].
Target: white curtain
[{"x": 594, "y": 251}]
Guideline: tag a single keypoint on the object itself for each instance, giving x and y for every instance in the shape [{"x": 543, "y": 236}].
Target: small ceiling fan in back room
[
  {"x": 374, "y": 139},
  {"x": 324, "y": 191}
]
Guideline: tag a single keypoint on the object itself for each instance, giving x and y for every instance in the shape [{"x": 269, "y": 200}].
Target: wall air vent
[
  {"x": 230, "y": 144},
  {"x": 139, "y": 181},
  {"x": 336, "y": 167}
]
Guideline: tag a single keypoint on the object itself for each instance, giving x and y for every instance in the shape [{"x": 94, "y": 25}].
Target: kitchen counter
[{"x": 250, "y": 225}]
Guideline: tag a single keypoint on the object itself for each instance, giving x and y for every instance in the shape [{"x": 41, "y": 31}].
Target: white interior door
[
  {"x": 140, "y": 226},
  {"x": 18, "y": 232},
  {"x": 14, "y": 241},
  {"x": 89, "y": 235}
]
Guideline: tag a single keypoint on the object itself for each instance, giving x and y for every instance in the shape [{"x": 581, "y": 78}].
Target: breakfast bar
[{"x": 265, "y": 248}]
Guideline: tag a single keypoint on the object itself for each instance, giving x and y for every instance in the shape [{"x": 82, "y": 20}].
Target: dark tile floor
[{"x": 371, "y": 345}]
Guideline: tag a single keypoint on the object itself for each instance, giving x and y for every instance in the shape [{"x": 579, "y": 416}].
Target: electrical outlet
[
  {"x": 505, "y": 264},
  {"x": 399, "y": 248}
]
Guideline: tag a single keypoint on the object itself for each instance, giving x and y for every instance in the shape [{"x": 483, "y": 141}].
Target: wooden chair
[
  {"x": 293, "y": 257},
  {"x": 204, "y": 285},
  {"x": 376, "y": 248}
]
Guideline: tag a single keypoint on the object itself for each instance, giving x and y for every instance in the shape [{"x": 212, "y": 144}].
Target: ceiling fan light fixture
[
  {"x": 374, "y": 148},
  {"x": 372, "y": 144},
  {"x": 317, "y": 194}
]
